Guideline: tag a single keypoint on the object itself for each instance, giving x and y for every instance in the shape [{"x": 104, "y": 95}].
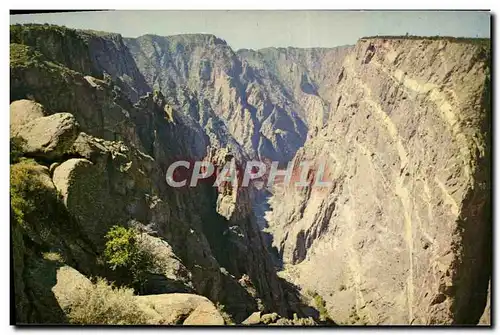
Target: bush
[
  {"x": 33, "y": 204},
  {"x": 103, "y": 304},
  {"x": 16, "y": 149},
  {"x": 123, "y": 251},
  {"x": 320, "y": 305}
]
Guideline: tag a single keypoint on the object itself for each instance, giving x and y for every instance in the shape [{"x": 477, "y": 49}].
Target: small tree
[{"x": 123, "y": 251}]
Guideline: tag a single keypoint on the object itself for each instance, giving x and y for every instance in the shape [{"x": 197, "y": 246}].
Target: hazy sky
[{"x": 258, "y": 29}]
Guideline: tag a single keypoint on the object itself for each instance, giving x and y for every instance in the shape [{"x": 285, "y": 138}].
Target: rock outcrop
[
  {"x": 402, "y": 235},
  {"x": 22, "y": 112},
  {"x": 179, "y": 308},
  {"x": 48, "y": 136}
]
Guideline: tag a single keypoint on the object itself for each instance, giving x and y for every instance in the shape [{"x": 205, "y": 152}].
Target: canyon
[{"x": 403, "y": 236}]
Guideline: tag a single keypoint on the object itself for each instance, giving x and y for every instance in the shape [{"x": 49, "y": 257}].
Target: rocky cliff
[
  {"x": 86, "y": 158},
  {"x": 266, "y": 99},
  {"x": 403, "y": 234}
]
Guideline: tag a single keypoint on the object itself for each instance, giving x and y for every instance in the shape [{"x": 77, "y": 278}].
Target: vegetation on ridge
[{"x": 470, "y": 40}]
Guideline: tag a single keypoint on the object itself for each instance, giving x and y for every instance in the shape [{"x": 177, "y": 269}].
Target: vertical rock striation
[{"x": 403, "y": 234}]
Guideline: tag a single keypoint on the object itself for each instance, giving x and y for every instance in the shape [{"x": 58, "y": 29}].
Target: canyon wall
[
  {"x": 403, "y": 233},
  {"x": 266, "y": 99}
]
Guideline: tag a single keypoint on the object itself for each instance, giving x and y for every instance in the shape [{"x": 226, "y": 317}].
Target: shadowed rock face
[
  {"x": 266, "y": 98},
  {"x": 403, "y": 234}
]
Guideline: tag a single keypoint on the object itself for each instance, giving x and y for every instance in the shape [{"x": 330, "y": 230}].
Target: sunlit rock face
[{"x": 402, "y": 235}]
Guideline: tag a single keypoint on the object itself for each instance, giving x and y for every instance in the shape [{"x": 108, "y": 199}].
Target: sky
[{"x": 260, "y": 29}]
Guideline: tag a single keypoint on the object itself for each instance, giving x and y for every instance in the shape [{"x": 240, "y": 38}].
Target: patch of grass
[
  {"x": 320, "y": 305},
  {"x": 53, "y": 256},
  {"x": 26, "y": 191},
  {"x": 16, "y": 149},
  {"x": 103, "y": 304}
]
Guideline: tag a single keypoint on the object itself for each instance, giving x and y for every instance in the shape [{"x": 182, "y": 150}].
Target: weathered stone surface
[
  {"x": 49, "y": 136},
  {"x": 402, "y": 233},
  {"x": 486, "y": 317},
  {"x": 168, "y": 274},
  {"x": 24, "y": 111},
  {"x": 69, "y": 280},
  {"x": 253, "y": 319},
  {"x": 179, "y": 308}
]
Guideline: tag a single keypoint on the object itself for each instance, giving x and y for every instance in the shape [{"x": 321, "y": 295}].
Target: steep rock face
[
  {"x": 402, "y": 234},
  {"x": 250, "y": 94},
  {"x": 307, "y": 76}
]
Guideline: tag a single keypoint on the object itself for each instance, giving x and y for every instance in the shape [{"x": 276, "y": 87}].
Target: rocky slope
[
  {"x": 403, "y": 234},
  {"x": 94, "y": 160},
  {"x": 266, "y": 99}
]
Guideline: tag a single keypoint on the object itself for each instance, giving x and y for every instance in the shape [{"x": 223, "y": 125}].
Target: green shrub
[
  {"x": 32, "y": 202},
  {"x": 103, "y": 304},
  {"x": 16, "y": 149},
  {"x": 320, "y": 305},
  {"x": 123, "y": 251}
]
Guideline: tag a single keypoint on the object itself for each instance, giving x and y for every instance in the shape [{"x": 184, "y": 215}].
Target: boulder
[
  {"x": 168, "y": 274},
  {"x": 68, "y": 281},
  {"x": 24, "y": 111},
  {"x": 179, "y": 308},
  {"x": 48, "y": 137},
  {"x": 85, "y": 193},
  {"x": 253, "y": 319}
]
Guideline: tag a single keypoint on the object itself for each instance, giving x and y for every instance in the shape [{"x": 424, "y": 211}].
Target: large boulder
[
  {"x": 69, "y": 280},
  {"x": 85, "y": 193},
  {"x": 179, "y": 308},
  {"x": 167, "y": 273},
  {"x": 49, "y": 137},
  {"x": 253, "y": 319},
  {"x": 24, "y": 111}
]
